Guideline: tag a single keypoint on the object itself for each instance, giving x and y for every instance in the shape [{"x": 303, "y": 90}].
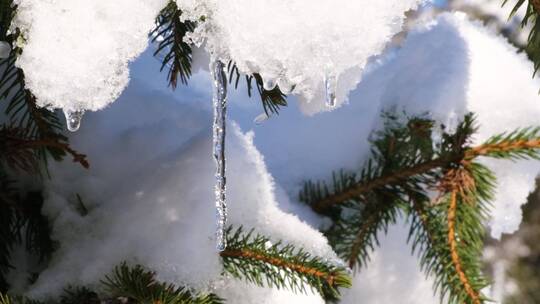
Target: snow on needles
[
  {"x": 296, "y": 44},
  {"x": 76, "y": 52}
]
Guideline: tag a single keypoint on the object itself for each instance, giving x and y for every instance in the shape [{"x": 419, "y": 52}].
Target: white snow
[
  {"x": 299, "y": 43},
  {"x": 151, "y": 198},
  {"x": 76, "y": 52}
]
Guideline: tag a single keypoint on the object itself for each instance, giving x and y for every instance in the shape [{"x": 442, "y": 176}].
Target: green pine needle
[
  {"x": 255, "y": 258},
  {"x": 140, "y": 285}
]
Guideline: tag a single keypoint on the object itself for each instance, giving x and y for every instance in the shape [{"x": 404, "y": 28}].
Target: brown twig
[
  {"x": 360, "y": 188},
  {"x": 454, "y": 250},
  {"x": 536, "y": 5}
]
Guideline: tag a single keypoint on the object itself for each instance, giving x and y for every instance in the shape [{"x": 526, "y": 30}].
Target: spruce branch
[
  {"x": 519, "y": 144},
  {"x": 531, "y": 17},
  {"x": 254, "y": 258},
  {"x": 169, "y": 34},
  {"x": 271, "y": 100},
  {"x": 355, "y": 234},
  {"x": 402, "y": 157},
  {"x": 140, "y": 285},
  {"x": 18, "y": 148}
]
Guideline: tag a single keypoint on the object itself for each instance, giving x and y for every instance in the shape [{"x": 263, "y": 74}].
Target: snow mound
[
  {"x": 76, "y": 52},
  {"x": 150, "y": 200},
  {"x": 297, "y": 44}
]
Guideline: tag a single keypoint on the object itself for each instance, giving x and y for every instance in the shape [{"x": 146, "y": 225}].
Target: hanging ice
[
  {"x": 73, "y": 119},
  {"x": 330, "y": 84},
  {"x": 220, "y": 116},
  {"x": 5, "y": 49}
]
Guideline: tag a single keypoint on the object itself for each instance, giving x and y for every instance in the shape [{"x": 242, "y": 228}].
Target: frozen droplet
[
  {"x": 285, "y": 86},
  {"x": 217, "y": 69},
  {"x": 269, "y": 83},
  {"x": 261, "y": 118},
  {"x": 5, "y": 50},
  {"x": 330, "y": 84},
  {"x": 73, "y": 119},
  {"x": 268, "y": 245}
]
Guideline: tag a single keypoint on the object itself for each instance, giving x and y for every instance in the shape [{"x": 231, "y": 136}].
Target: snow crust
[
  {"x": 298, "y": 43},
  {"x": 76, "y": 52}
]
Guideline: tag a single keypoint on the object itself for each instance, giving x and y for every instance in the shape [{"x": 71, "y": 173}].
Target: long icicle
[{"x": 217, "y": 69}]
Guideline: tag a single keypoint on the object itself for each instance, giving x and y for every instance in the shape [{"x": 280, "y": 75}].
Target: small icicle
[
  {"x": 5, "y": 50},
  {"x": 261, "y": 118},
  {"x": 330, "y": 83},
  {"x": 217, "y": 69},
  {"x": 270, "y": 83},
  {"x": 73, "y": 119}
]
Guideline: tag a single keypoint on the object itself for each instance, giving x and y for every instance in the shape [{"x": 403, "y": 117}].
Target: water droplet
[
  {"x": 261, "y": 118},
  {"x": 330, "y": 84},
  {"x": 269, "y": 83},
  {"x": 5, "y": 49},
  {"x": 73, "y": 119},
  {"x": 217, "y": 69}
]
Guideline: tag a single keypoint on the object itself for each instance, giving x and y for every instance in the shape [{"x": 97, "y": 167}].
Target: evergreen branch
[
  {"x": 169, "y": 33},
  {"x": 17, "y": 148},
  {"x": 6, "y": 299},
  {"x": 354, "y": 236},
  {"x": 256, "y": 259},
  {"x": 531, "y": 17},
  {"x": 519, "y": 144},
  {"x": 357, "y": 189},
  {"x": 403, "y": 157},
  {"x": 272, "y": 99},
  {"x": 449, "y": 235},
  {"x": 140, "y": 285},
  {"x": 473, "y": 294},
  {"x": 79, "y": 295}
]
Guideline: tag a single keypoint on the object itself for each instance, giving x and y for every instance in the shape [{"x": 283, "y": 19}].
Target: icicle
[
  {"x": 270, "y": 83},
  {"x": 73, "y": 119},
  {"x": 330, "y": 83},
  {"x": 220, "y": 116},
  {"x": 5, "y": 50}
]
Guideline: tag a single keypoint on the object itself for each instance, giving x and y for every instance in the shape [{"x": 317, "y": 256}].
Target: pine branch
[
  {"x": 519, "y": 144},
  {"x": 255, "y": 259},
  {"x": 271, "y": 100},
  {"x": 531, "y": 17},
  {"x": 403, "y": 157},
  {"x": 79, "y": 295},
  {"x": 354, "y": 235},
  {"x": 18, "y": 149},
  {"x": 169, "y": 34},
  {"x": 140, "y": 285},
  {"x": 5, "y": 299}
]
